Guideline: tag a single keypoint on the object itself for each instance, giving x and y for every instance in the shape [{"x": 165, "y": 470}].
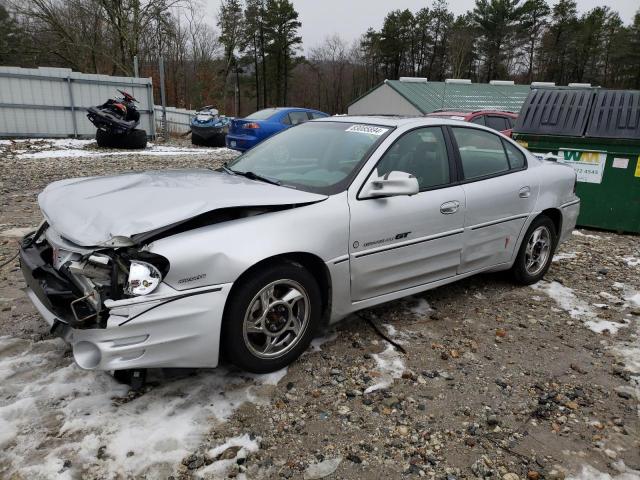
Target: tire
[
  {"x": 136, "y": 139},
  {"x": 196, "y": 139},
  {"x": 526, "y": 270},
  {"x": 250, "y": 350}
]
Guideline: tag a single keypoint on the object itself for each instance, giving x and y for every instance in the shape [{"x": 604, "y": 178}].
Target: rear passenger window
[
  {"x": 481, "y": 152},
  {"x": 516, "y": 157},
  {"x": 497, "y": 123},
  {"x": 298, "y": 117},
  {"x": 315, "y": 115},
  {"x": 479, "y": 120}
]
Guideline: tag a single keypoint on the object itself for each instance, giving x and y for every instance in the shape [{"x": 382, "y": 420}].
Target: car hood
[{"x": 94, "y": 211}]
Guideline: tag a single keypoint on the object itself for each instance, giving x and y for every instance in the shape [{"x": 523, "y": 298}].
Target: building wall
[
  {"x": 52, "y": 102},
  {"x": 383, "y": 100}
]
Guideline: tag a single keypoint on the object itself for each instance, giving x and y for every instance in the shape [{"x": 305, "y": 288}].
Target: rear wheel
[
  {"x": 536, "y": 252},
  {"x": 271, "y": 318}
]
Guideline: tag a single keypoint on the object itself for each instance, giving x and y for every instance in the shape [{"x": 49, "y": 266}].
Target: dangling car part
[
  {"x": 116, "y": 121},
  {"x": 175, "y": 268},
  {"x": 209, "y": 128}
]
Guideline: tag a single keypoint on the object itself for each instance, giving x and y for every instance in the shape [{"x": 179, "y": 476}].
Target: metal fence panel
[
  {"x": 52, "y": 102},
  {"x": 178, "y": 119}
]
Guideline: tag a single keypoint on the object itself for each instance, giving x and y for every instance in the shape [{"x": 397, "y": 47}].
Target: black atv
[{"x": 116, "y": 121}]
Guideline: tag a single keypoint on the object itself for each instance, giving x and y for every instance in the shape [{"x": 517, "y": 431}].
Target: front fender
[{"x": 220, "y": 253}]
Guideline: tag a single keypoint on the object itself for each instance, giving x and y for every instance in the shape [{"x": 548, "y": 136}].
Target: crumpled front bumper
[{"x": 166, "y": 329}]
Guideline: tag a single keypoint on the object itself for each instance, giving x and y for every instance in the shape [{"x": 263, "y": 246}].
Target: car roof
[
  {"x": 388, "y": 120},
  {"x": 464, "y": 113}
]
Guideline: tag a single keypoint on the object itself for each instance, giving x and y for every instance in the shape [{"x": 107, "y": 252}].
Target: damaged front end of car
[
  {"x": 74, "y": 282},
  {"x": 111, "y": 305}
]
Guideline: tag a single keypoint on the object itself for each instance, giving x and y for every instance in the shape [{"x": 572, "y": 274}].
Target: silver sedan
[{"x": 178, "y": 268}]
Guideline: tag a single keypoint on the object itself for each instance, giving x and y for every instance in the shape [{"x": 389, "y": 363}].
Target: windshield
[
  {"x": 320, "y": 157},
  {"x": 262, "y": 114}
]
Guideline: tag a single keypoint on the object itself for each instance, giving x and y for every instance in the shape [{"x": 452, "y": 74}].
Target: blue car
[{"x": 247, "y": 132}]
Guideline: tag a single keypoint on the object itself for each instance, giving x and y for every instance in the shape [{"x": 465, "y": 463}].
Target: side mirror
[{"x": 391, "y": 184}]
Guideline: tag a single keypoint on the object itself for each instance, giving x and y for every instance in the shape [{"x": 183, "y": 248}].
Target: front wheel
[
  {"x": 271, "y": 318},
  {"x": 536, "y": 252}
]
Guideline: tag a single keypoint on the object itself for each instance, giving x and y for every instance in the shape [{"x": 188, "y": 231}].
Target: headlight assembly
[{"x": 143, "y": 279}]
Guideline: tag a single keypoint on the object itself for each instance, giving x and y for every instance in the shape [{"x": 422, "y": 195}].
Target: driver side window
[{"x": 423, "y": 154}]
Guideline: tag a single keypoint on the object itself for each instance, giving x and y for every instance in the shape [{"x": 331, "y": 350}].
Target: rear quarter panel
[{"x": 556, "y": 192}]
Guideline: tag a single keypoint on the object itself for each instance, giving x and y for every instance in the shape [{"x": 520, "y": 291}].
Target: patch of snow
[
  {"x": 565, "y": 298},
  {"x": 52, "y": 411},
  {"x": 17, "y": 232},
  {"x": 245, "y": 445},
  {"x": 590, "y": 473},
  {"x": 322, "y": 469},
  {"x": 600, "y": 326},
  {"x": 272, "y": 378},
  {"x": 578, "y": 233},
  {"x": 634, "y": 298},
  {"x": 631, "y": 261},
  {"x": 390, "y": 366},
  {"x": 419, "y": 306},
  {"x": 577, "y": 308},
  {"x": 317, "y": 342},
  {"x": 154, "y": 151},
  {"x": 558, "y": 257}
]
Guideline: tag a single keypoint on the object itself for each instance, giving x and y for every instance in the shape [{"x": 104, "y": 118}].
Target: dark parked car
[
  {"x": 247, "y": 132},
  {"x": 498, "y": 120}
]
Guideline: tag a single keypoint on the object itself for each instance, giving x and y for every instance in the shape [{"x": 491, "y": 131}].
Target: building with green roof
[{"x": 417, "y": 96}]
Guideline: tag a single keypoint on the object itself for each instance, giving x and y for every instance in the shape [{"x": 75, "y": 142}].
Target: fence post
[
  {"x": 152, "y": 110},
  {"x": 163, "y": 99},
  {"x": 73, "y": 109}
]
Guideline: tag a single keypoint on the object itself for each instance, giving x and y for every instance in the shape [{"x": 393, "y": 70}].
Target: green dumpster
[{"x": 597, "y": 132}]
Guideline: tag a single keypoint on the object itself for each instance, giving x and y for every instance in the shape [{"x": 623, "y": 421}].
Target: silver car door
[
  {"x": 500, "y": 193},
  {"x": 405, "y": 241}
]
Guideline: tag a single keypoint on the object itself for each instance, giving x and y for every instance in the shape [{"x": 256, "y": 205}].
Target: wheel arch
[
  {"x": 312, "y": 263},
  {"x": 555, "y": 215}
]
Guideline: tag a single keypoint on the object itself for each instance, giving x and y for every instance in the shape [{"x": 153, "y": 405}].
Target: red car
[{"x": 496, "y": 119}]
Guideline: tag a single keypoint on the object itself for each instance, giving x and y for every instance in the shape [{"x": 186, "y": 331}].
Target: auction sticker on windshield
[{"x": 370, "y": 129}]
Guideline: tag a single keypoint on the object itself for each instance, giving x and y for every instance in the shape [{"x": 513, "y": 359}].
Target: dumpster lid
[
  {"x": 616, "y": 114},
  {"x": 555, "y": 111}
]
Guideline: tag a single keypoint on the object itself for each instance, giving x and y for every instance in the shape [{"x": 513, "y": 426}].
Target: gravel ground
[{"x": 498, "y": 381}]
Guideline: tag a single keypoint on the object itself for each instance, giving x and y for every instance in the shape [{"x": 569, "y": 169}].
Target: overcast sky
[{"x": 351, "y": 18}]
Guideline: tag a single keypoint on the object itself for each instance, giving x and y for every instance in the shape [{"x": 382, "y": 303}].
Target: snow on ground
[
  {"x": 151, "y": 150},
  {"x": 57, "y": 420},
  {"x": 590, "y": 473},
  {"x": 577, "y": 308},
  {"x": 389, "y": 366},
  {"x": 558, "y": 257},
  {"x": 578, "y": 233},
  {"x": 316, "y": 343},
  {"x": 322, "y": 469},
  {"x": 16, "y": 232},
  {"x": 418, "y": 306},
  {"x": 241, "y": 446}
]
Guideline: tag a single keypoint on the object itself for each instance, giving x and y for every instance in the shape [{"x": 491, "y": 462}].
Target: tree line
[{"x": 253, "y": 57}]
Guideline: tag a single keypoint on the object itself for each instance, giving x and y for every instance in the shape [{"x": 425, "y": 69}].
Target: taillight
[{"x": 251, "y": 125}]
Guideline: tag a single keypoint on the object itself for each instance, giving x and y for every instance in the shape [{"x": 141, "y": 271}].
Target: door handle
[
  {"x": 447, "y": 208},
  {"x": 525, "y": 192}
]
